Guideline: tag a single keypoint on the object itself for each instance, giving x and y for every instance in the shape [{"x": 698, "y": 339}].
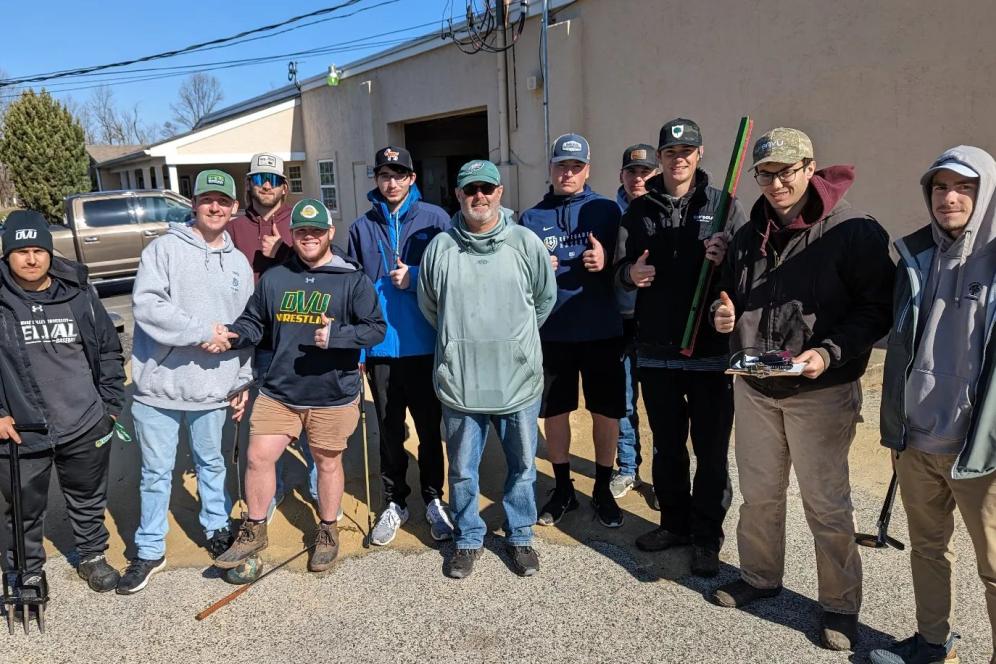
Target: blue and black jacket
[
  {"x": 376, "y": 240},
  {"x": 586, "y": 308}
]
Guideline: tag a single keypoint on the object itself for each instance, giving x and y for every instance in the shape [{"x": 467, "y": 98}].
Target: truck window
[
  {"x": 159, "y": 208},
  {"x": 109, "y": 212}
]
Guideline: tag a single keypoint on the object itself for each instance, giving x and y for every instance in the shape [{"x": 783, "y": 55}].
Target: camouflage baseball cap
[
  {"x": 214, "y": 180},
  {"x": 479, "y": 170},
  {"x": 782, "y": 146},
  {"x": 310, "y": 213}
]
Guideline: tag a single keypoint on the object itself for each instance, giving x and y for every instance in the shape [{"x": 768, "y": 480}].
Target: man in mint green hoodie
[{"x": 486, "y": 285}]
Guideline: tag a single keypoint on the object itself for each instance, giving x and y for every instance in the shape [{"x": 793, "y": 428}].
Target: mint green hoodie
[{"x": 487, "y": 295}]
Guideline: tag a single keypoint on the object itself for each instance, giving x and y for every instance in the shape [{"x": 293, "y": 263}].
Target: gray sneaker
[
  {"x": 440, "y": 523},
  {"x": 388, "y": 523},
  {"x": 620, "y": 484}
]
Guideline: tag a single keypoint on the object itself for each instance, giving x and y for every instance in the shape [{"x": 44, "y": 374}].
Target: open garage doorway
[{"x": 440, "y": 147}]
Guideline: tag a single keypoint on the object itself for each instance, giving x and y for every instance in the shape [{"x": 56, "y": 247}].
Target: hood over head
[{"x": 981, "y": 229}]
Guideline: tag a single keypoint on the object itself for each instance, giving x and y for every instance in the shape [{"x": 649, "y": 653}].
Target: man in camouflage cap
[{"x": 811, "y": 277}]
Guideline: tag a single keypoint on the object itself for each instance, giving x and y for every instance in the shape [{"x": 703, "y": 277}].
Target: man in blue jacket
[
  {"x": 388, "y": 242},
  {"x": 583, "y": 336}
]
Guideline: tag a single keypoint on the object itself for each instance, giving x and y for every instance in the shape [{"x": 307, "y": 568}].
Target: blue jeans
[
  {"x": 261, "y": 364},
  {"x": 628, "y": 455},
  {"x": 466, "y": 434},
  {"x": 158, "y": 432}
]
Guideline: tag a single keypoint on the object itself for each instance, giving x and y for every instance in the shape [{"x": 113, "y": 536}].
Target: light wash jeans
[
  {"x": 466, "y": 435},
  {"x": 158, "y": 432},
  {"x": 628, "y": 457}
]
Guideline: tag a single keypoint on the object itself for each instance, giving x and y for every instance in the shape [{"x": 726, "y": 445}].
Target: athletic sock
[
  {"x": 562, "y": 475},
  {"x": 603, "y": 474},
  {"x": 327, "y": 523},
  {"x": 263, "y": 520}
]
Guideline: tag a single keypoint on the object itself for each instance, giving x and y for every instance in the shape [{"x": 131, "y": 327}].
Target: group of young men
[{"x": 483, "y": 320}]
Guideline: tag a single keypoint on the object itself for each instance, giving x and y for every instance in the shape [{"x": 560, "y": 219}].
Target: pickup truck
[{"x": 107, "y": 230}]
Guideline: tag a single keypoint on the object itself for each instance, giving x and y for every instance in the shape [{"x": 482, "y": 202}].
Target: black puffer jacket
[
  {"x": 673, "y": 232},
  {"x": 20, "y": 396}
]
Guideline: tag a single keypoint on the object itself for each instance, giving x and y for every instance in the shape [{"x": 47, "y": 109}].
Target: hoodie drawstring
[{"x": 962, "y": 257}]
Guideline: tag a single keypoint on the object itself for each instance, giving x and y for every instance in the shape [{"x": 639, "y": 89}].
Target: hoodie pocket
[
  {"x": 939, "y": 404},
  {"x": 485, "y": 374}
]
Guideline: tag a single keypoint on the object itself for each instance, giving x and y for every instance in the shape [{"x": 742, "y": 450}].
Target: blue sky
[{"x": 46, "y": 36}]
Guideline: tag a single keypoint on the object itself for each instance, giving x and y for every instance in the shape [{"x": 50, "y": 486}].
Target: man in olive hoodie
[
  {"x": 938, "y": 396},
  {"x": 486, "y": 285}
]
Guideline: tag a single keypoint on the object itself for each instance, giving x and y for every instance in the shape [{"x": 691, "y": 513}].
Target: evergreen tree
[{"x": 43, "y": 149}]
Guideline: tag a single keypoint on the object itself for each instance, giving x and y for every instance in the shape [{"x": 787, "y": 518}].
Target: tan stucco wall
[{"x": 279, "y": 132}]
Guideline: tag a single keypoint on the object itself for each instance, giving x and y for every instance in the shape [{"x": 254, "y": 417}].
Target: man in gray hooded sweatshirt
[
  {"x": 939, "y": 392},
  {"x": 188, "y": 280}
]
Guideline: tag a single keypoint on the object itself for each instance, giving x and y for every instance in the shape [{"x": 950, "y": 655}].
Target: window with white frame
[
  {"x": 326, "y": 182},
  {"x": 294, "y": 178}
]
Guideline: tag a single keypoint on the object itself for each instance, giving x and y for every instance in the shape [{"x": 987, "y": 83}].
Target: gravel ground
[{"x": 593, "y": 600}]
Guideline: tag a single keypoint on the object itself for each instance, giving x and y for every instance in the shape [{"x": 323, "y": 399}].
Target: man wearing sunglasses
[
  {"x": 388, "y": 242},
  {"x": 810, "y": 275},
  {"x": 664, "y": 238},
  {"x": 486, "y": 286},
  {"x": 263, "y": 234},
  {"x": 584, "y": 335}
]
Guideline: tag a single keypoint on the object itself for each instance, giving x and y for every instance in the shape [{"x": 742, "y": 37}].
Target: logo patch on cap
[
  {"x": 216, "y": 179},
  {"x": 309, "y": 212},
  {"x": 26, "y": 234},
  {"x": 266, "y": 160},
  {"x": 391, "y": 155},
  {"x": 677, "y": 131},
  {"x": 476, "y": 166},
  {"x": 571, "y": 146},
  {"x": 638, "y": 155}
]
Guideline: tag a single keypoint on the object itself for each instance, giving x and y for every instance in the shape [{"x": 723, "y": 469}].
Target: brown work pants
[
  {"x": 812, "y": 431},
  {"x": 930, "y": 496}
]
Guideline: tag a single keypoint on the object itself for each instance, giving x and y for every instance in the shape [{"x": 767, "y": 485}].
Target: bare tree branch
[{"x": 197, "y": 96}]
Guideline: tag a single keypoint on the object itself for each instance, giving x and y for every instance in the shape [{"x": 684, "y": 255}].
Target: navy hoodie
[
  {"x": 288, "y": 302},
  {"x": 375, "y": 240},
  {"x": 586, "y": 308}
]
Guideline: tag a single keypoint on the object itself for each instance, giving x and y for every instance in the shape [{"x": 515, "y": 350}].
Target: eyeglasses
[
  {"x": 400, "y": 178},
  {"x": 764, "y": 178},
  {"x": 258, "y": 179},
  {"x": 485, "y": 188}
]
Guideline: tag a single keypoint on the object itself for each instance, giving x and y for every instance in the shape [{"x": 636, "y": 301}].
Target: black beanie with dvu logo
[{"x": 26, "y": 228}]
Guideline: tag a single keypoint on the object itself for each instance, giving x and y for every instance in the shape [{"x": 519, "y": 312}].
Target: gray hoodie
[
  {"x": 941, "y": 389},
  {"x": 183, "y": 287}
]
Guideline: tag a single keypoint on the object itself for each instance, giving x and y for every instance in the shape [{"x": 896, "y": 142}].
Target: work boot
[
  {"x": 916, "y": 650},
  {"x": 839, "y": 631},
  {"x": 219, "y": 542},
  {"x": 620, "y": 484},
  {"x": 559, "y": 504},
  {"x": 251, "y": 539},
  {"x": 326, "y": 547},
  {"x": 100, "y": 576},
  {"x": 525, "y": 560},
  {"x": 705, "y": 562},
  {"x": 739, "y": 593},
  {"x": 606, "y": 508},
  {"x": 461, "y": 565},
  {"x": 660, "y": 539}
]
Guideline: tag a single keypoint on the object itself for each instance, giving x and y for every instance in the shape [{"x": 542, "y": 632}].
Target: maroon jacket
[{"x": 247, "y": 231}]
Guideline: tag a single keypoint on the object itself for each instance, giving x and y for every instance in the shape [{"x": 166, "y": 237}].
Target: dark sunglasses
[
  {"x": 485, "y": 188},
  {"x": 258, "y": 179}
]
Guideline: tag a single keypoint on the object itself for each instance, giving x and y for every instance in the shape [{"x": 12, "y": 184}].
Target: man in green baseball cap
[{"x": 808, "y": 276}]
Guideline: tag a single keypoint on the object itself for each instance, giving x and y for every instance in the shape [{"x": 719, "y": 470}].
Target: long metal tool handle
[
  {"x": 885, "y": 516},
  {"x": 366, "y": 458},
  {"x": 719, "y": 222},
  {"x": 227, "y": 599},
  {"x": 15, "y": 504}
]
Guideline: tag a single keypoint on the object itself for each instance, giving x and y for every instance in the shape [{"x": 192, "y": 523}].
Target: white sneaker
[
  {"x": 440, "y": 522},
  {"x": 620, "y": 484},
  {"x": 388, "y": 523}
]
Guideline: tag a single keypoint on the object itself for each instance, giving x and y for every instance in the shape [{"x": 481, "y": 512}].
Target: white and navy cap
[
  {"x": 570, "y": 146},
  {"x": 949, "y": 165}
]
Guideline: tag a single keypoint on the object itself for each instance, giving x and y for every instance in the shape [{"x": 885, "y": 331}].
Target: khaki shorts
[{"x": 327, "y": 428}]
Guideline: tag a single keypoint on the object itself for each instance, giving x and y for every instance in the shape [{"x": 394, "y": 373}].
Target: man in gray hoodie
[
  {"x": 939, "y": 392},
  {"x": 188, "y": 280}
]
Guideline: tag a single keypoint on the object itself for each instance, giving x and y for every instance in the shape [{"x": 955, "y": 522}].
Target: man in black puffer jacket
[{"x": 61, "y": 367}]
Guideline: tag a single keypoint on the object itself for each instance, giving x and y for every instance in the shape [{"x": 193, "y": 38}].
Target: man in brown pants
[
  {"x": 811, "y": 276},
  {"x": 938, "y": 396}
]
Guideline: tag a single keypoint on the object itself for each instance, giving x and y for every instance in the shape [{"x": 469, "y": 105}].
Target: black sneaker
[
  {"x": 555, "y": 508},
  {"x": 660, "y": 539},
  {"x": 705, "y": 562},
  {"x": 100, "y": 576},
  {"x": 219, "y": 542},
  {"x": 525, "y": 560},
  {"x": 739, "y": 593},
  {"x": 462, "y": 563},
  {"x": 606, "y": 509},
  {"x": 137, "y": 574},
  {"x": 916, "y": 650}
]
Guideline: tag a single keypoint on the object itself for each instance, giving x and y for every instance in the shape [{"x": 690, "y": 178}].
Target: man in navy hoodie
[
  {"x": 319, "y": 311},
  {"x": 583, "y": 336},
  {"x": 388, "y": 242}
]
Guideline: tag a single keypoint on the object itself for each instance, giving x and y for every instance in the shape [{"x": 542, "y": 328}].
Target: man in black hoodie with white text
[{"x": 60, "y": 366}]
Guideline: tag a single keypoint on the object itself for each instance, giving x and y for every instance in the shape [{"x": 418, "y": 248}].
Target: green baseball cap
[
  {"x": 782, "y": 146},
  {"x": 479, "y": 170},
  {"x": 214, "y": 180},
  {"x": 310, "y": 213}
]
